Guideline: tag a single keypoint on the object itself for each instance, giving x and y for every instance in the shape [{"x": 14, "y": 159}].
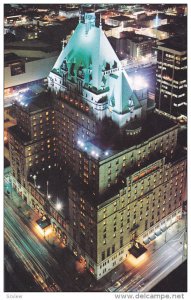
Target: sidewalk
[
  {"x": 26, "y": 210},
  {"x": 76, "y": 268},
  {"x": 123, "y": 269},
  {"x": 166, "y": 236},
  {"x": 81, "y": 276}
]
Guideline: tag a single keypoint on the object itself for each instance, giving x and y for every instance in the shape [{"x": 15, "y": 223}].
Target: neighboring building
[
  {"x": 169, "y": 30},
  {"x": 138, "y": 12},
  {"x": 20, "y": 72},
  {"x": 111, "y": 31},
  {"x": 121, "y": 165},
  {"x": 31, "y": 49},
  {"x": 13, "y": 20},
  {"x": 122, "y": 21},
  {"x": 163, "y": 32},
  {"x": 140, "y": 45},
  {"x": 134, "y": 45},
  {"x": 32, "y": 134},
  {"x": 178, "y": 10},
  {"x": 174, "y": 26},
  {"x": 171, "y": 86},
  {"x": 69, "y": 13},
  {"x": 153, "y": 21}
]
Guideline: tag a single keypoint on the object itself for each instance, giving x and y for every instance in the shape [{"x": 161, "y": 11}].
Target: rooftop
[
  {"x": 174, "y": 28},
  {"x": 152, "y": 17},
  {"x": 167, "y": 28},
  {"x": 177, "y": 43},
  {"x": 107, "y": 27},
  {"x": 43, "y": 222},
  {"x": 105, "y": 145},
  {"x": 135, "y": 37},
  {"x": 31, "y": 45},
  {"x": 137, "y": 250},
  {"x": 12, "y": 58},
  {"x": 122, "y": 18},
  {"x": 32, "y": 102},
  {"x": 21, "y": 136}
]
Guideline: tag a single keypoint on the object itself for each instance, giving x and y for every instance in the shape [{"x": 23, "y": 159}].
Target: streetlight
[
  {"x": 59, "y": 206},
  {"x": 34, "y": 177}
]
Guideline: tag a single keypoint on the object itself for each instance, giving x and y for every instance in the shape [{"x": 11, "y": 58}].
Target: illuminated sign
[{"x": 145, "y": 172}]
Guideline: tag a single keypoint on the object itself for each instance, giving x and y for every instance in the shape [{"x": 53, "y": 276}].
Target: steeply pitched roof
[{"x": 89, "y": 50}]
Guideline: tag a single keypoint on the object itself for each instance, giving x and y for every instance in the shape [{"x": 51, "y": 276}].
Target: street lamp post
[{"x": 34, "y": 177}]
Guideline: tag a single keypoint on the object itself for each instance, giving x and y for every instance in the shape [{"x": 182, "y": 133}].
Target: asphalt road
[
  {"x": 53, "y": 269},
  {"x": 144, "y": 276},
  {"x": 38, "y": 261},
  {"x": 16, "y": 278}
]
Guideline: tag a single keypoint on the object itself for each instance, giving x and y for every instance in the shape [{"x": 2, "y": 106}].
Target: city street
[
  {"x": 34, "y": 255},
  {"x": 157, "y": 265},
  {"x": 160, "y": 259},
  {"x": 54, "y": 267}
]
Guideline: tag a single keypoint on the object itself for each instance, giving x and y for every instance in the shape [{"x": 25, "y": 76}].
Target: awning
[
  {"x": 158, "y": 232},
  {"x": 43, "y": 222},
  {"x": 137, "y": 249},
  {"x": 152, "y": 237},
  {"x": 146, "y": 241},
  {"x": 163, "y": 228}
]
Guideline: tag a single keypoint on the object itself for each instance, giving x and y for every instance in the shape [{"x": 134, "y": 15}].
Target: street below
[{"x": 54, "y": 268}]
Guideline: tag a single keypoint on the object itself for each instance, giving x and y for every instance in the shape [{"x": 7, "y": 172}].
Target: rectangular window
[
  {"x": 17, "y": 68},
  {"x": 103, "y": 255}
]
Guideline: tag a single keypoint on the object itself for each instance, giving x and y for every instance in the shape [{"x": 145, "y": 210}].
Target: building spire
[
  {"x": 100, "y": 23},
  {"x": 63, "y": 44}
]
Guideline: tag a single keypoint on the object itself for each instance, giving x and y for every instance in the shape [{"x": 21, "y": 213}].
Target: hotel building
[{"x": 121, "y": 172}]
